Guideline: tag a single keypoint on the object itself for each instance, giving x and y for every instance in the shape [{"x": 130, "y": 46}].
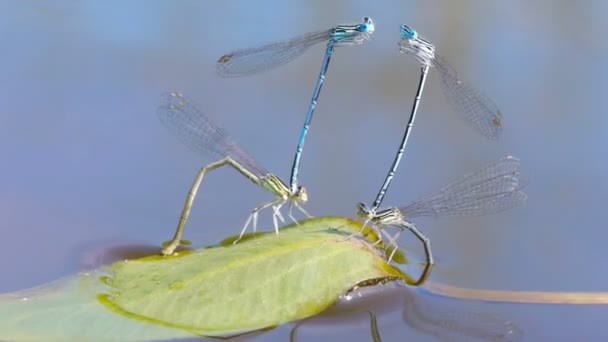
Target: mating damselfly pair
[{"x": 494, "y": 188}]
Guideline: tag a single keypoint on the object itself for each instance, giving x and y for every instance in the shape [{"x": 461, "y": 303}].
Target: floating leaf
[
  {"x": 68, "y": 310},
  {"x": 258, "y": 283}
]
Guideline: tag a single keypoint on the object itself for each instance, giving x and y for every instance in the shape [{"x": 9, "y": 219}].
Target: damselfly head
[
  {"x": 367, "y": 25},
  {"x": 408, "y": 33},
  {"x": 420, "y": 48},
  {"x": 348, "y": 35},
  {"x": 363, "y": 210},
  {"x": 301, "y": 194}
]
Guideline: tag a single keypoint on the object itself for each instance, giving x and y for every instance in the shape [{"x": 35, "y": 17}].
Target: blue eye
[
  {"x": 366, "y": 26},
  {"x": 409, "y": 34}
]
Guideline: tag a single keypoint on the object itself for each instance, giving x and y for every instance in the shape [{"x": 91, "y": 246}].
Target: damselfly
[
  {"x": 254, "y": 60},
  {"x": 477, "y": 109},
  {"x": 197, "y": 131},
  {"x": 492, "y": 189}
]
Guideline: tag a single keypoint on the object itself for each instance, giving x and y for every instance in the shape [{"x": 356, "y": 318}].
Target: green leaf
[
  {"x": 68, "y": 310},
  {"x": 258, "y": 283}
]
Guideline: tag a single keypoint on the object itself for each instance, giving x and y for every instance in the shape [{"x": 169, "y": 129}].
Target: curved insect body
[
  {"x": 197, "y": 131},
  {"x": 477, "y": 109},
  {"x": 255, "y": 60},
  {"x": 494, "y": 188}
]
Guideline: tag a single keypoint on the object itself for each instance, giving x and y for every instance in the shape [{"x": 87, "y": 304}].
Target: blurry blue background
[{"x": 85, "y": 159}]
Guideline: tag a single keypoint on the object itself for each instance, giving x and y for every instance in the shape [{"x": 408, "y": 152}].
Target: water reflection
[
  {"x": 80, "y": 91},
  {"x": 423, "y": 317},
  {"x": 449, "y": 324}
]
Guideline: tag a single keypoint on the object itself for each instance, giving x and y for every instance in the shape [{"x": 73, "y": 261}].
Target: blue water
[{"x": 84, "y": 158}]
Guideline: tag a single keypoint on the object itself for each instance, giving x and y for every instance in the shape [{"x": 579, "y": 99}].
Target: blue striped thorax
[
  {"x": 343, "y": 35},
  {"x": 408, "y": 33},
  {"x": 412, "y": 44}
]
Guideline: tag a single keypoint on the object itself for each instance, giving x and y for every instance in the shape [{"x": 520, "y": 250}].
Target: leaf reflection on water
[{"x": 424, "y": 316}]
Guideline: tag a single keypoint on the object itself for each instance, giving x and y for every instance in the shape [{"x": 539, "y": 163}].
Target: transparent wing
[
  {"x": 197, "y": 131},
  {"x": 450, "y": 324},
  {"x": 478, "y": 109},
  {"x": 254, "y": 60},
  {"x": 420, "y": 49},
  {"x": 349, "y": 38},
  {"x": 495, "y": 188}
]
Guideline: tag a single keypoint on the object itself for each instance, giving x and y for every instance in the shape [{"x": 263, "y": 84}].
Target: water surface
[{"x": 86, "y": 160}]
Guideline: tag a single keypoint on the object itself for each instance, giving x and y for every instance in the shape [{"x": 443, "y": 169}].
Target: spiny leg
[
  {"x": 373, "y": 226},
  {"x": 365, "y": 223},
  {"x": 360, "y": 232},
  {"x": 174, "y": 243},
  {"x": 290, "y": 213},
  {"x": 254, "y": 216},
  {"x": 277, "y": 211},
  {"x": 392, "y": 241},
  {"x": 378, "y": 230},
  {"x": 293, "y": 203},
  {"x": 245, "y": 227},
  {"x": 297, "y": 205},
  {"x": 373, "y": 246}
]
